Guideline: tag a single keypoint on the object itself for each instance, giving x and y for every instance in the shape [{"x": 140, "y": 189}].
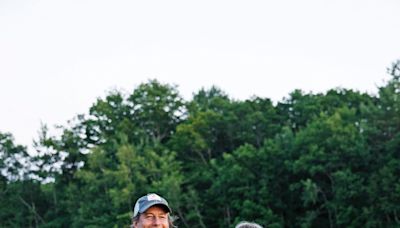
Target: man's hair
[{"x": 248, "y": 225}]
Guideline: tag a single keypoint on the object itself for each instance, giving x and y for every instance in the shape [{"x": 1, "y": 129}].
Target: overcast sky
[{"x": 57, "y": 57}]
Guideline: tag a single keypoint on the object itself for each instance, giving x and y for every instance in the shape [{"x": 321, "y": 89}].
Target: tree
[
  {"x": 156, "y": 110},
  {"x": 112, "y": 189},
  {"x": 382, "y": 129},
  {"x": 12, "y": 158},
  {"x": 21, "y": 199},
  {"x": 331, "y": 159}
]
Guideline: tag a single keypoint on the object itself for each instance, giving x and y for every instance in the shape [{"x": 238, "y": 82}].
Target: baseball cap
[{"x": 147, "y": 201}]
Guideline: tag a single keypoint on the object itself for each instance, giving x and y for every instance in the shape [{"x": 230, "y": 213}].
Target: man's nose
[{"x": 157, "y": 220}]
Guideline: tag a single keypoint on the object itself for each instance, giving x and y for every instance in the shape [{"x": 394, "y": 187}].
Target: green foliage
[
  {"x": 156, "y": 110},
  {"x": 22, "y": 204},
  {"x": 12, "y": 158},
  {"x": 311, "y": 160}
]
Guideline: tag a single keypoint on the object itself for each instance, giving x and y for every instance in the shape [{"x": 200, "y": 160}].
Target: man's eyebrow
[{"x": 152, "y": 213}]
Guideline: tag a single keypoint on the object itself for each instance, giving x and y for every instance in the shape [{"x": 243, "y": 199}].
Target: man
[{"x": 152, "y": 210}]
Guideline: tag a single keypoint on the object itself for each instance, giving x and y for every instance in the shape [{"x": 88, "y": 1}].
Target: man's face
[{"x": 155, "y": 216}]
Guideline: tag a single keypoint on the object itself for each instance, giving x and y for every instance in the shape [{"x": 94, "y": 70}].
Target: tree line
[{"x": 329, "y": 159}]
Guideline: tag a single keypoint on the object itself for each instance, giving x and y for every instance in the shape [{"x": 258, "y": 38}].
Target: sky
[{"x": 58, "y": 57}]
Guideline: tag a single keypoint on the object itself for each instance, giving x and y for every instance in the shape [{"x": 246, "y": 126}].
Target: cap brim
[{"x": 150, "y": 204}]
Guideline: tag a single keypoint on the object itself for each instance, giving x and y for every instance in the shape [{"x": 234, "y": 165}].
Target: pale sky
[{"x": 57, "y": 57}]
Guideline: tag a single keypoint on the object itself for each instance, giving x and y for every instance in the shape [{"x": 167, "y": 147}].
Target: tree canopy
[{"x": 311, "y": 160}]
